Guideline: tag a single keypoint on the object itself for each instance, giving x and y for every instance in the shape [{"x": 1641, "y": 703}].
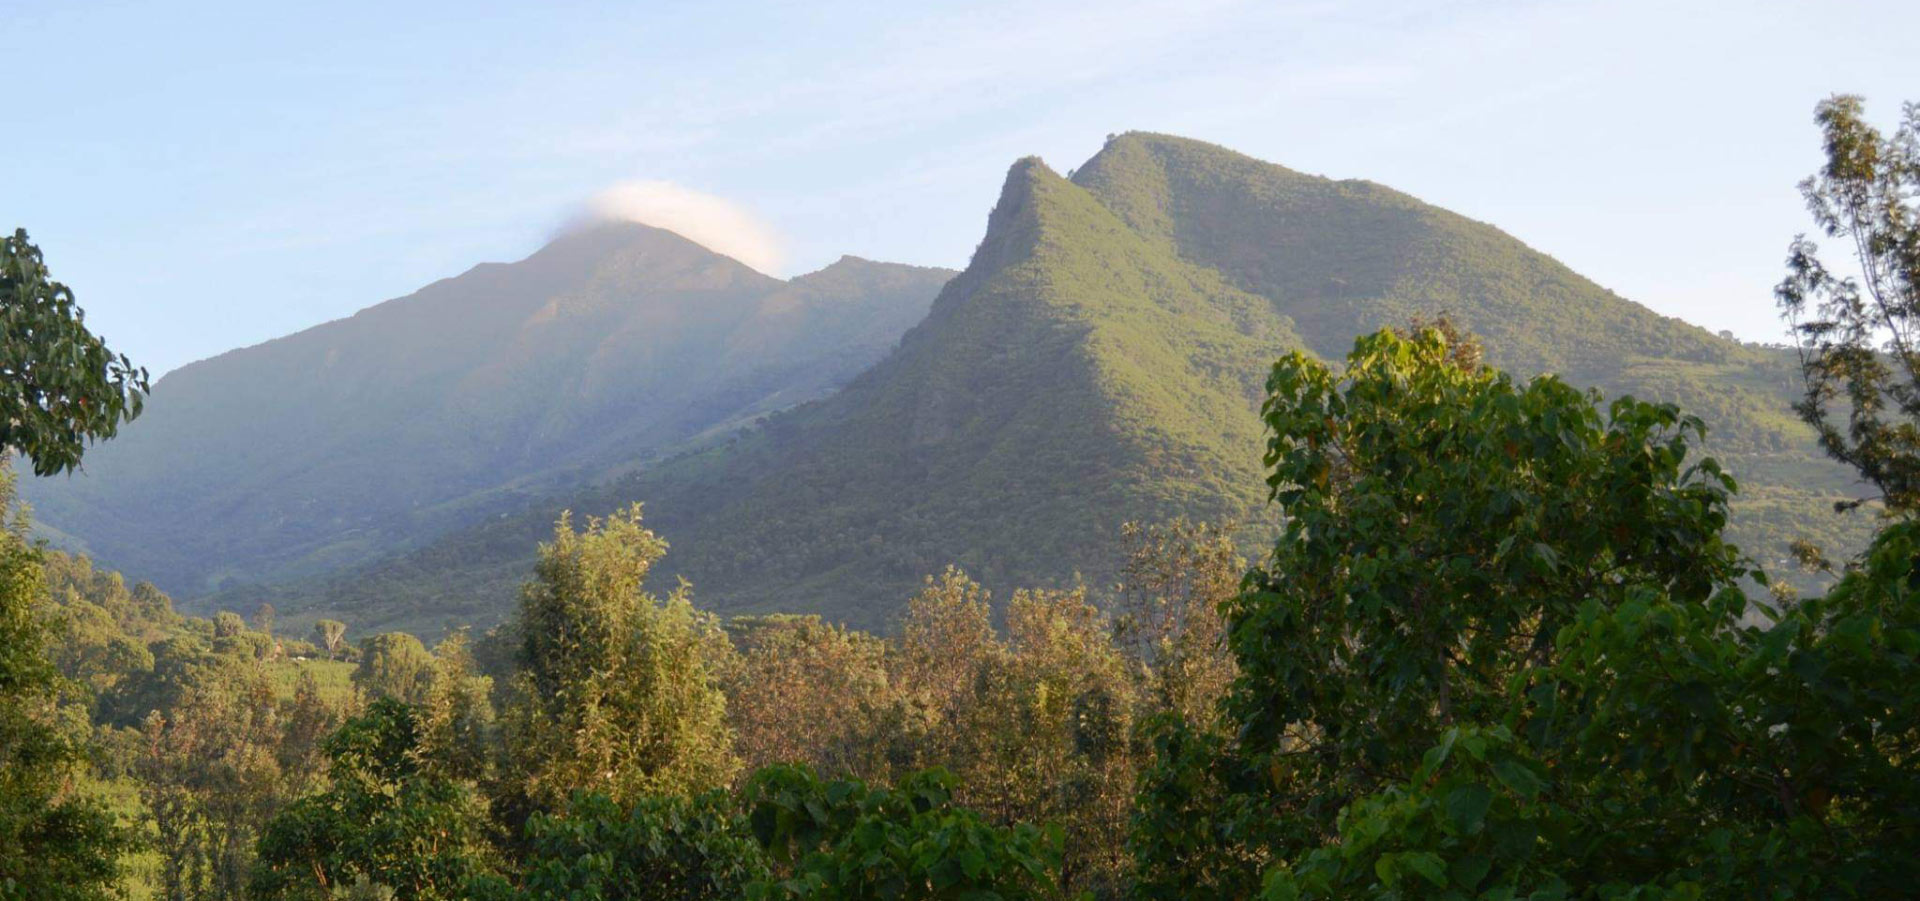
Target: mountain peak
[{"x": 604, "y": 348}]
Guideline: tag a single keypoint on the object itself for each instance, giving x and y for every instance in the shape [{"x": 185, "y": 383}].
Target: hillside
[
  {"x": 1100, "y": 360},
  {"x": 353, "y": 439}
]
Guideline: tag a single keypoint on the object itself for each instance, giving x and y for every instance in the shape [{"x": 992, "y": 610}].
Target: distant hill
[
  {"x": 319, "y": 451},
  {"x": 1101, "y": 360}
]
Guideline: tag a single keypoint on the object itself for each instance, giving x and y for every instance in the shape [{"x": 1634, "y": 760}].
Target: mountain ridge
[{"x": 1101, "y": 359}]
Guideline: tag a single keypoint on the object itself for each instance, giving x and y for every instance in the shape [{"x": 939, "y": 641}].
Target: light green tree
[
  {"x": 329, "y": 634},
  {"x": 55, "y": 843},
  {"x": 618, "y": 691},
  {"x": 394, "y": 665},
  {"x": 210, "y": 775}
]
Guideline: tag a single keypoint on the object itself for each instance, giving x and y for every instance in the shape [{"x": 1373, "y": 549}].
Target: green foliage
[
  {"x": 209, "y": 767},
  {"x": 1167, "y": 612},
  {"x": 60, "y": 387},
  {"x": 333, "y": 679},
  {"x": 394, "y": 665},
  {"x": 845, "y": 840},
  {"x": 329, "y": 634},
  {"x": 55, "y": 842},
  {"x": 617, "y": 691},
  {"x": 1501, "y": 650},
  {"x": 808, "y": 692},
  {"x": 1442, "y": 525},
  {"x": 392, "y": 815},
  {"x": 660, "y": 847},
  {"x": 1856, "y": 332}
]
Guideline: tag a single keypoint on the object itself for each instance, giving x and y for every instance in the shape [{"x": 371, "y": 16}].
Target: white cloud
[{"x": 715, "y": 223}]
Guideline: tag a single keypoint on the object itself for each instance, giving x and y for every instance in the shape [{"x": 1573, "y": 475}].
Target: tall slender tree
[{"x": 1857, "y": 319}]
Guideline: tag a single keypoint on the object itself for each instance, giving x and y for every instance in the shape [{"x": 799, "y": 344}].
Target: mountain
[
  {"x": 1101, "y": 360},
  {"x": 607, "y": 348}
]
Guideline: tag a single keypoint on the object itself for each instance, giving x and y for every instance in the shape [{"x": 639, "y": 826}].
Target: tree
[
  {"x": 846, "y": 840},
  {"x": 60, "y": 387},
  {"x": 392, "y": 816},
  {"x": 1035, "y": 726},
  {"x": 1055, "y": 722},
  {"x": 809, "y": 692},
  {"x": 618, "y": 691},
  {"x": 210, "y": 776},
  {"x": 263, "y": 618},
  {"x": 1176, "y": 579},
  {"x": 306, "y": 720},
  {"x": 328, "y": 634},
  {"x": 669, "y": 847},
  {"x": 458, "y": 716},
  {"x": 1859, "y": 334},
  {"x": 946, "y": 640},
  {"x": 1501, "y": 648},
  {"x": 395, "y": 665},
  {"x": 55, "y": 843}
]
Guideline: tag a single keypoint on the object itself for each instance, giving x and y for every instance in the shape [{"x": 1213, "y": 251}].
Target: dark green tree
[
  {"x": 392, "y": 816},
  {"x": 670, "y": 847},
  {"x": 1857, "y": 322},
  {"x": 1501, "y": 649},
  {"x": 60, "y": 387},
  {"x": 846, "y": 840}
]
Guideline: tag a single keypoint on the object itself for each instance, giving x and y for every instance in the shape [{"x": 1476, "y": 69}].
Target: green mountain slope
[
  {"x": 1100, "y": 360},
  {"x": 355, "y": 438}
]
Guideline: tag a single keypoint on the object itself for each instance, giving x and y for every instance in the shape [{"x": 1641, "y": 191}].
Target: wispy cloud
[{"x": 718, "y": 224}]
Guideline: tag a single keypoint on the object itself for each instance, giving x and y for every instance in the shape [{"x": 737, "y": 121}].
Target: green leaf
[
  {"x": 1469, "y": 871},
  {"x": 1467, "y": 807},
  {"x": 1428, "y": 864},
  {"x": 1517, "y": 777}
]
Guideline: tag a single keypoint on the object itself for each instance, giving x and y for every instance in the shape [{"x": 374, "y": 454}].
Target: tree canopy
[
  {"x": 1501, "y": 650},
  {"x": 1857, "y": 319},
  {"x": 60, "y": 387}
]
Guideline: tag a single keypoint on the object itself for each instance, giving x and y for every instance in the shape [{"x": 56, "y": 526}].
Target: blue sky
[{"x": 212, "y": 175}]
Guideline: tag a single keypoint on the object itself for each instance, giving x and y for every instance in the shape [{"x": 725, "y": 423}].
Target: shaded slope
[{"x": 354, "y": 438}]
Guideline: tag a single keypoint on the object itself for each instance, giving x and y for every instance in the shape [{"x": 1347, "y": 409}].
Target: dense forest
[{"x": 1499, "y": 645}]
